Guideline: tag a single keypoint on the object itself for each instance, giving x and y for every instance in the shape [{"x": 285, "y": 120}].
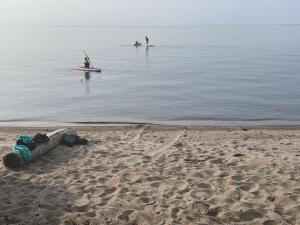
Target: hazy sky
[{"x": 151, "y": 12}]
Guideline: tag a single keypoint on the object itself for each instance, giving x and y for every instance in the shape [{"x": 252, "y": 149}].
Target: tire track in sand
[
  {"x": 139, "y": 133},
  {"x": 164, "y": 147}
]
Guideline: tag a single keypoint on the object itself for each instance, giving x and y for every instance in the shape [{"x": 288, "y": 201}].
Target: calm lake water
[{"x": 193, "y": 75}]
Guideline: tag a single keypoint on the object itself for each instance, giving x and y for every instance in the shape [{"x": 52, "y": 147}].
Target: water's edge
[{"x": 162, "y": 123}]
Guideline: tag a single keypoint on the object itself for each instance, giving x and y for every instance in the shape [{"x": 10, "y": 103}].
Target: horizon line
[{"x": 200, "y": 25}]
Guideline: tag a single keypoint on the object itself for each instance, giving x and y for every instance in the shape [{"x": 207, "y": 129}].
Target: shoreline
[
  {"x": 116, "y": 126},
  {"x": 204, "y": 123}
]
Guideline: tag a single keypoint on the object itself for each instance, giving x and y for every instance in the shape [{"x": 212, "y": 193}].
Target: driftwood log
[{"x": 15, "y": 160}]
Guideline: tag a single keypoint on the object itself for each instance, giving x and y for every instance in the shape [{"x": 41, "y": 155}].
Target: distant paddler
[
  {"x": 147, "y": 43},
  {"x": 87, "y": 62},
  {"x": 137, "y": 44},
  {"x": 87, "y": 67}
]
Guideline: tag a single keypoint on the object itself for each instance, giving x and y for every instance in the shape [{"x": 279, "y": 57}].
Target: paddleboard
[
  {"x": 148, "y": 46},
  {"x": 82, "y": 68}
]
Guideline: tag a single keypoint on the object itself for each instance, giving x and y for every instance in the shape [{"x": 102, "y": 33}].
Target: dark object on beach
[
  {"x": 178, "y": 144},
  {"x": 30, "y": 145},
  {"x": 82, "y": 141},
  {"x": 40, "y": 138},
  {"x": 68, "y": 140},
  {"x": 238, "y": 155},
  {"x": 71, "y": 140},
  {"x": 271, "y": 198},
  {"x": 15, "y": 159}
]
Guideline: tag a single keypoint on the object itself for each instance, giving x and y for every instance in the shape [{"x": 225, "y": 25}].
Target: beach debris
[
  {"x": 239, "y": 155},
  {"x": 40, "y": 138},
  {"x": 72, "y": 139},
  {"x": 244, "y": 128},
  {"x": 26, "y": 140},
  {"x": 25, "y": 153}
]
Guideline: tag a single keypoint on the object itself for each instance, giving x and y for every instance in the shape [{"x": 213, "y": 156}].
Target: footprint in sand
[
  {"x": 154, "y": 178},
  {"x": 45, "y": 205},
  {"x": 249, "y": 215},
  {"x": 198, "y": 175},
  {"x": 270, "y": 222},
  {"x": 236, "y": 177},
  {"x": 26, "y": 201},
  {"x": 155, "y": 184},
  {"x": 199, "y": 195},
  {"x": 125, "y": 215},
  {"x": 250, "y": 187},
  {"x": 145, "y": 200},
  {"x": 146, "y": 159},
  {"x": 123, "y": 190},
  {"x": 204, "y": 186},
  {"x": 50, "y": 196},
  {"x": 174, "y": 212},
  {"x": 232, "y": 196},
  {"x": 108, "y": 191},
  {"x": 81, "y": 207},
  {"x": 243, "y": 216},
  {"x": 183, "y": 191},
  {"x": 222, "y": 174},
  {"x": 214, "y": 211}
]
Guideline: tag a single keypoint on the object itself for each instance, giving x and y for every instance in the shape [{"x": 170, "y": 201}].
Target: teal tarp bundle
[
  {"x": 23, "y": 150},
  {"x": 26, "y": 138}
]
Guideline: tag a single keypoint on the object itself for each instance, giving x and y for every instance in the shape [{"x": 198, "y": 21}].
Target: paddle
[{"x": 88, "y": 59}]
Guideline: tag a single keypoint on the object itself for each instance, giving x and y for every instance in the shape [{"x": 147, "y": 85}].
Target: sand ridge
[{"x": 157, "y": 175}]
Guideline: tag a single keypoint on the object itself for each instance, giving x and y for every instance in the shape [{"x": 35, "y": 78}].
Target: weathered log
[{"x": 15, "y": 160}]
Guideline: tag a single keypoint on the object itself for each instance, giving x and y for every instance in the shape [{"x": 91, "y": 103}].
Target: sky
[{"x": 149, "y": 13}]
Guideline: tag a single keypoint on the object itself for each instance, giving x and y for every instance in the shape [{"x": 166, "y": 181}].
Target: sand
[{"x": 157, "y": 175}]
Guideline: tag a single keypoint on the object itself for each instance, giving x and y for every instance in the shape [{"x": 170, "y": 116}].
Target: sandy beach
[{"x": 147, "y": 174}]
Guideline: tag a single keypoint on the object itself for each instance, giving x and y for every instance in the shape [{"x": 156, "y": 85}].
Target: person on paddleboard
[
  {"x": 136, "y": 44},
  {"x": 147, "y": 40},
  {"x": 86, "y": 62}
]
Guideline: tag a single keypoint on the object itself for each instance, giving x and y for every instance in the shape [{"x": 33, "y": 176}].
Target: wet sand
[{"x": 157, "y": 175}]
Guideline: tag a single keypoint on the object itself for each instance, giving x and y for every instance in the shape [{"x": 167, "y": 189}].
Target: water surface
[{"x": 193, "y": 75}]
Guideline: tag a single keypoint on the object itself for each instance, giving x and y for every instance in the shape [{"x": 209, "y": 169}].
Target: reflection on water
[
  {"x": 147, "y": 54},
  {"x": 87, "y": 78}
]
